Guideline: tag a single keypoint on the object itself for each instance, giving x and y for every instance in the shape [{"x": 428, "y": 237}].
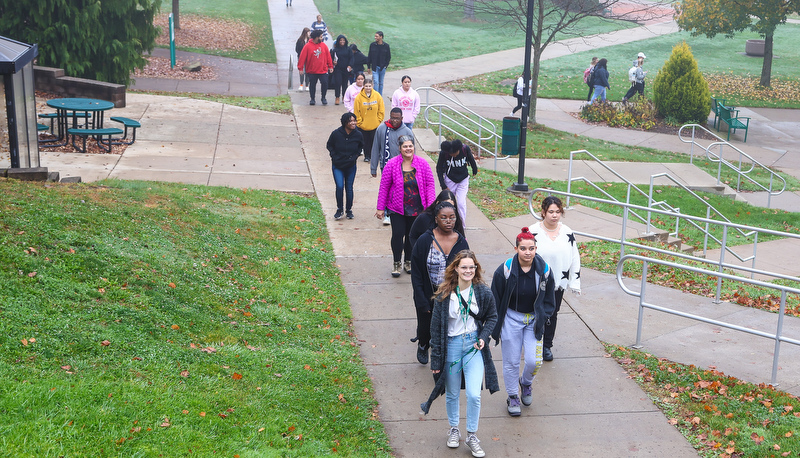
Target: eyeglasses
[{"x": 468, "y": 268}]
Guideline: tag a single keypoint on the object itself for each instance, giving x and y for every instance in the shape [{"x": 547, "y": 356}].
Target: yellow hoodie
[{"x": 369, "y": 111}]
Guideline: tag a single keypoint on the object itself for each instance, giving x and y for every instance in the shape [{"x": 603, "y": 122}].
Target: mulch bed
[{"x": 660, "y": 128}]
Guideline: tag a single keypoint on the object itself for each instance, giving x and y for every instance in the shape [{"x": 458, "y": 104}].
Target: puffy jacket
[
  {"x": 341, "y": 54},
  {"x": 390, "y": 194}
]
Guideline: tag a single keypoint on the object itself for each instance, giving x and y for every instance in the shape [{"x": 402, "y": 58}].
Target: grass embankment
[
  {"x": 731, "y": 74},
  {"x": 721, "y": 416},
  {"x": 146, "y": 319}
]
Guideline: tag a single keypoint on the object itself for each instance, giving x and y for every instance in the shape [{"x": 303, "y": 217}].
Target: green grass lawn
[
  {"x": 253, "y": 12},
  {"x": 148, "y": 319},
  {"x": 562, "y": 77},
  {"x": 421, "y": 33}
]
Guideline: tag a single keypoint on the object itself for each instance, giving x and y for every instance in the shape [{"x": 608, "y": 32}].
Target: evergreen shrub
[{"x": 679, "y": 90}]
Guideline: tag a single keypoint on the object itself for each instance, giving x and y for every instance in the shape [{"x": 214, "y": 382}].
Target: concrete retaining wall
[{"x": 51, "y": 79}]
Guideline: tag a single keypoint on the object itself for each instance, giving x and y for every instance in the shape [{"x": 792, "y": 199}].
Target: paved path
[{"x": 584, "y": 402}]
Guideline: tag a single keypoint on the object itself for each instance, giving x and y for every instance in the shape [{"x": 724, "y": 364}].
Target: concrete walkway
[{"x": 584, "y": 402}]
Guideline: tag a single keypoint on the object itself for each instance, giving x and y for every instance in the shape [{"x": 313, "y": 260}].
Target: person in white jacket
[{"x": 557, "y": 246}]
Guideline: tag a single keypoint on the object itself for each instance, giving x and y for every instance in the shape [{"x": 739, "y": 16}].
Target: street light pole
[{"x": 520, "y": 185}]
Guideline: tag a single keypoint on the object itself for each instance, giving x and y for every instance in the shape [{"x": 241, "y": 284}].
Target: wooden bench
[
  {"x": 97, "y": 133},
  {"x": 730, "y": 116},
  {"x": 127, "y": 122}
]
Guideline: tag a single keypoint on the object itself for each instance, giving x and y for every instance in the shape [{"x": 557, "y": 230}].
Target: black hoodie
[{"x": 341, "y": 55}]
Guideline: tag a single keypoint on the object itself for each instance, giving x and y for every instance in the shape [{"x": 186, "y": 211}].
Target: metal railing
[
  {"x": 778, "y": 336},
  {"x": 660, "y": 204},
  {"x": 446, "y": 114},
  {"x": 746, "y": 163},
  {"x": 719, "y": 264}
]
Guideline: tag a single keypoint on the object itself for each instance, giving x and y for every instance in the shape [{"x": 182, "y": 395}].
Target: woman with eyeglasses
[
  {"x": 524, "y": 291},
  {"x": 559, "y": 249},
  {"x": 464, "y": 315},
  {"x": 433, "y": 252}
]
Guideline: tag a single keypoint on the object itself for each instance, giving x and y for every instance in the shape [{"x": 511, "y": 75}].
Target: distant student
[
  {"x": 636, "y": 76},
  {"x": 588, "y": 75}
]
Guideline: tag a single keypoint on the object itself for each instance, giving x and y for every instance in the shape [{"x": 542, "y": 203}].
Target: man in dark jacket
[{"x": 378, "y": 59}]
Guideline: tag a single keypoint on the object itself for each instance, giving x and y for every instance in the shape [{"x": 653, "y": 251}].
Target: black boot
[{"x": 422, "y": 354}]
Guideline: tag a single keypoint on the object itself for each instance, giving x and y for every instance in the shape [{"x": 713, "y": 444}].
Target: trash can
[{"x": 511, "y": 126}]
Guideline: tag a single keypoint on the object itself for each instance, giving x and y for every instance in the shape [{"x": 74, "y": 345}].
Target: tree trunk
[
  {"x": 469, "y": 9},
  {"x": 537, "y": 56},
  {"x": 175, "y": 14},
  {"x": 766, "y": 68}
]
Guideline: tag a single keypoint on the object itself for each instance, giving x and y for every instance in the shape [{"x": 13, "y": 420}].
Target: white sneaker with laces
[
  {"x": 387, "y": 221},
  {"x": 474, "y": 445},
  {"x": 453, "y": 437}
]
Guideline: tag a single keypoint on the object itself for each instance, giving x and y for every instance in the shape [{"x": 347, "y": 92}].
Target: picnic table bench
[
  {"x": 97, "y": 133},
  {"x": 730, "y": 116}
]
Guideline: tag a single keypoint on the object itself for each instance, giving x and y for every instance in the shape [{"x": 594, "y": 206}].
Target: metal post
[
  {"x": 721, "y": 261},
  {"x": 171, "y": 42},
  {"x": 778, "y": 334},
  {"x": 638, "y": 343},
  {"x": 520, "y": 185}
]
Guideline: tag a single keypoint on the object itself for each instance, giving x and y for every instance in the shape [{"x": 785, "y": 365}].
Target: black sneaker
[
  {"x": 422, "y": 354},
  {"x": 324, "y": 102},
  {"x": 547, "y": 354},
  {"x": 312, "y": 102},
  {"x": 350, "y": 215},
  {"x": 338, "y": 215}
]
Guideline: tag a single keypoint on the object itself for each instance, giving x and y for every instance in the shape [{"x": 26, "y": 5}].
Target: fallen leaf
[
  {"x": 236, "y": 376},
  {"x": 105, "y": 343},
  {"x": 171, "y": 285},
  {"x": 184, "y": 373},
  {"x": 202, "y": 414},
  {"x": 24, "y": 342},
  {"x": 175, "y": 327}
]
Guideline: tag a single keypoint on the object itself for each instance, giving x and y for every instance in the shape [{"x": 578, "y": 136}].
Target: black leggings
[
  {"x": 423, "y": 327},
  {"x": 339, "y": 82},
  {"x": 591, "y": 89},
  {"x": 369, "y": 136},
  {"x": 519, "y": 103},
  {"x": 550, "y": 325},
  {"x": 401, "y": 244}
]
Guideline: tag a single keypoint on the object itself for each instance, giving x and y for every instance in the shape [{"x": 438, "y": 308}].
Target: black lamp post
[{"x": 520, "y": 185}]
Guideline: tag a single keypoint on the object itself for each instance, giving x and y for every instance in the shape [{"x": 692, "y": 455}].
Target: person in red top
[{"x": 316, "y": 59}]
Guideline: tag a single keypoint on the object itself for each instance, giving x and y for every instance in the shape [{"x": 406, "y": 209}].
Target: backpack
[
  {"x": 514, "y": 89},
  {"x": 587, "y": 75},
  {"x": 632, "y": 74}
]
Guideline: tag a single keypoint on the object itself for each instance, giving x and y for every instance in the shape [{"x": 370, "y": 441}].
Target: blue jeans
[
  {"x": 378, "y": 75},
  {"x": 410, "y": 125},
  {"x": 516, "y": 335},
  {"x": 472, "y": 367},
  {"x": 344, "y": 182},
  {"x": 599, "y": 93}
]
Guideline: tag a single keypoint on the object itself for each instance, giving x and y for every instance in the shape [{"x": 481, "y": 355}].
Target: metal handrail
[
  {"x": 464, "y": 118},
  {"x": 652, "y": 203},
  {"x": 718, "y": 265},
  {"x": 641, "y": 294},
  {"x": 744, "y": 159}
]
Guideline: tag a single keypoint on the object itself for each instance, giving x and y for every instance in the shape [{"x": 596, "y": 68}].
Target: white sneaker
[
  {"x": 474, "y": 445},
  {"x": 300, "y": 88},
  {"x": 453, "y": 437},
  {"x": 387, "y": 221}
]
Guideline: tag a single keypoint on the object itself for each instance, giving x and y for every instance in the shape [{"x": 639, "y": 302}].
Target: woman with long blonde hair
[{"x": 464, "y": 315}]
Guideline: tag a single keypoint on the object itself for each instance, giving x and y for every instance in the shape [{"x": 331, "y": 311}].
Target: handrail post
[
  {"x": 638, "y": 343},
  {"x": 778, "y": 335},
  {"x": 569, "y": 177},
  {"x": 721, "y": 262}
]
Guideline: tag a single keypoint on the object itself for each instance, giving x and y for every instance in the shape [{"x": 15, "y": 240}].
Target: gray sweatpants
[{"x": 517, "y": 335}]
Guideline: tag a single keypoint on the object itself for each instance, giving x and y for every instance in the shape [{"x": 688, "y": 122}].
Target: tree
[
  {"x": 176, "y": 7},
  {"x": 95, "y": 39},
  {"x": 680, "y": 92},
  {"x": 712, "y": 17},
  {"x": 551, "y": 19}
]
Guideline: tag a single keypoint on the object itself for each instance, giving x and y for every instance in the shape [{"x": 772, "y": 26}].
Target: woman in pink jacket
[{"x": 407, "y": 188}]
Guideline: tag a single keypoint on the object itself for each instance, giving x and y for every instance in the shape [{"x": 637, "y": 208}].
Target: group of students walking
[{"x": 458, "y": 314}]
